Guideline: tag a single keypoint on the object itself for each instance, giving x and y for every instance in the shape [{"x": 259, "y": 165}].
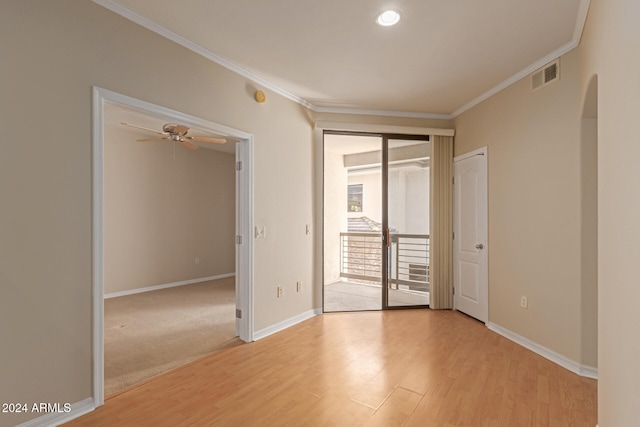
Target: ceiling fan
[{"x": 178, "y": 133}]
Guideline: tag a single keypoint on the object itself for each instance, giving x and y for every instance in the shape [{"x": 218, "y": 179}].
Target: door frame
[
  {"x": 483, "y": 151},
  {"x": 244, "y": 218}
]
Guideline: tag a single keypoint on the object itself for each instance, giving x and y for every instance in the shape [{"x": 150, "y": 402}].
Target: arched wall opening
[{"x": 589, "y": 226}]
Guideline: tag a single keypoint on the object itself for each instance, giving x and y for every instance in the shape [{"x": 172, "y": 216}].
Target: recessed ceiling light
[{"x": 388, "y": 18}]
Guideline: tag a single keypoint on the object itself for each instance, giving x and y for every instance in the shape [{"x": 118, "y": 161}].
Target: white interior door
[{"x": 470, "y": 246}]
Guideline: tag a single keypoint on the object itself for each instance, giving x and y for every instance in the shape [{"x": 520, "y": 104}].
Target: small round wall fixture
[
  {"x": 261, "y": 98},
  {"x": 388, "y": 18}
]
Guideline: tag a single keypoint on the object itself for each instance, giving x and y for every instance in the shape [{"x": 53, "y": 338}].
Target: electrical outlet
[
  {"x": 299, "y": 286},
  {"x": 197, "y": 260},
  {"x": 524, "y": 302},
  {"x": 279, "y": 291}
]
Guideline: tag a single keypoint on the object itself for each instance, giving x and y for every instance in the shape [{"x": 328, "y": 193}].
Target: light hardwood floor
[{"x": 392, "y": 368}]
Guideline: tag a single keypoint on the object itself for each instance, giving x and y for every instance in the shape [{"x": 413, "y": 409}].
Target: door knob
[{"x": 479, "y": 246}]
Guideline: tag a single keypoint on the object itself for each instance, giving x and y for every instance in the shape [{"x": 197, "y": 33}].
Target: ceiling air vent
[{"x": 545, "y": 75}]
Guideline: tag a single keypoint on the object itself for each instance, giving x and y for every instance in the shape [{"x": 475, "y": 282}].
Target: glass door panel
[
  {"x": 407, "y": 223},
  {"x": 352, "y": 240}
]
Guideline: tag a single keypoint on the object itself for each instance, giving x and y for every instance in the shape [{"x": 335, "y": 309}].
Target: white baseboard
[
  {"x": 167, "y": 285},
  {"x": 565, "y": 362},
  {"x": 55, "y": 419},
  {"x": 588, "y": 372},
  {"x": 286, "y": 324}
]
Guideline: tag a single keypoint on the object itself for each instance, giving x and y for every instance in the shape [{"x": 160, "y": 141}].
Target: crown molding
[
  {"x": 377, "y": 128},
  {"x": 196, "y": 48},
  {"x": 224, "y": 62},
  {"x": 363, "y": 112},
  {"x": 567, "y": 47}
]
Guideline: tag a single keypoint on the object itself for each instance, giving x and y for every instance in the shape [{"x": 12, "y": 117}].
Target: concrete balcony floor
[{"x": 351, "y": 296}]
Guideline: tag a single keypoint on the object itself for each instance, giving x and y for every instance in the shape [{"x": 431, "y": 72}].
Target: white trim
[
  {"x": 383, "y": 113},
  {"x": 99, "y": 97},
  {"x": 196, "y": 48},
  {"x": 244, "y": 287},
  {"x": 244, "y": 228},
  {"x": 164, "y": 113},
  {"x": 280, "y": 326},
  {"x": 588, "y": 372},
  {"x": 167, "y": 285},
  {"x": 482, "y": 151},
  {"x": 565, "y": 362},
  {"x": 375, "y": 128},
  {"x": 224, "y": 62},
  {"x": 55, "y": 419},
  {"x": 581, "y": 20}
]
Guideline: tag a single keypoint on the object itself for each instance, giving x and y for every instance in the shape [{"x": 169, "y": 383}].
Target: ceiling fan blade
[
  {"x": 207, "y": 139},
  {"x": 143, "y": 128},
  {"x": 188, "y": 145},
  {"x": 151, "y": 139}
]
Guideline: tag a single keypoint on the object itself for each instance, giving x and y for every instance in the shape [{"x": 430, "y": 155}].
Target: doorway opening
[
  {"x": 169, "y": 250},
  {"x": 376, "y": 221},
  {"x": 229, "y": 275}
]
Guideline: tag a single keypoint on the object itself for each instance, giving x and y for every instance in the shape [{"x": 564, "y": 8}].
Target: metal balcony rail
[
  {"x": 409, "y": 262},
  {"x": 361, "y": 258}
]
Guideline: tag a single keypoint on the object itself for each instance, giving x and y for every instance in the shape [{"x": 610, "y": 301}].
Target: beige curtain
[{"x": 441, "y": 226}]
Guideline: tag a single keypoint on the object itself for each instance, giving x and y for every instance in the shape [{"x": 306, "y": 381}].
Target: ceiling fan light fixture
[{"x": 388, "y": 18}]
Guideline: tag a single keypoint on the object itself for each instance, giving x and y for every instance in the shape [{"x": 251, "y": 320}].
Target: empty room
[
  {"x": 169, "y": 251},
  {"x": 497, "y": 209}
]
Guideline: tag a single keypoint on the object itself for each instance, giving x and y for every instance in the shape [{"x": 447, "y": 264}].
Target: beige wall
[
  {"x": 165, "y": 206},
  {"x": 533, "y": 141},
  {"x": 609, "y": 50},
  {"x": 58, "y": 51},
  {"x": 601, "y": 111}
]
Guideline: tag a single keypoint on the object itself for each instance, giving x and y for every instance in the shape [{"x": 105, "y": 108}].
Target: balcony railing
[
  {"x": 361, "y": 258},
  {"x": 410, "y": 261}
]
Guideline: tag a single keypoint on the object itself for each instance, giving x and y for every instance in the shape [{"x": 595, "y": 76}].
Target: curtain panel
[{"x": 441, "y": 226}]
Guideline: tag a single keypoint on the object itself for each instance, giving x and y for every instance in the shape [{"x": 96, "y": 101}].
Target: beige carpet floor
[{"x": 150, "y": 333}]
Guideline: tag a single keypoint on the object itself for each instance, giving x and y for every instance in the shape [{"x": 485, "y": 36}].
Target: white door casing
[
  {"x": 470, "y": 245},
  {"x": 244, "y": 219}
]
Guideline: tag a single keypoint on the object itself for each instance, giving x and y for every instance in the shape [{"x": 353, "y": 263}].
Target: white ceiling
[{"x": 443, "y": 57}]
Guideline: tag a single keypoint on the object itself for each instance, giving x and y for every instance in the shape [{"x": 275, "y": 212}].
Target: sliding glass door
[
  {"x": 407, "y": 222},
  {"x": 376, "y": 221},
  {"x": 352, "y": 222}
]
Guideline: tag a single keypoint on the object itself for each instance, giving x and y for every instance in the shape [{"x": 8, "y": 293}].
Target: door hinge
[
  {"x": 238, "y": 166},
  {"x": 238, "y": 240},
  {"x": 238, "y": 313},
  {"x": 454, "y": 290},
  {"x": 453, "y": 180},
  {"x": 454, "y": 235}
]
